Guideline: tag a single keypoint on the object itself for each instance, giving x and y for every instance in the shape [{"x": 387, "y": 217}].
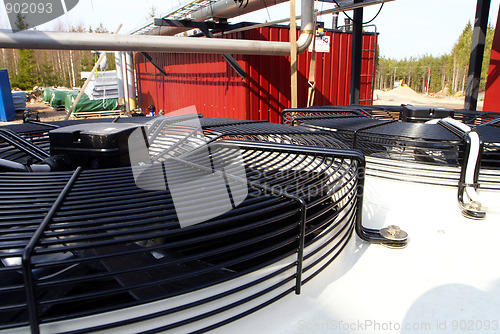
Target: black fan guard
[
  {"x": 91, "y": 243},
  {"x": 400, "y": 150}
]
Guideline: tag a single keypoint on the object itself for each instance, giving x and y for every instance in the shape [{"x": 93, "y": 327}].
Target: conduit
[
  {"x": 107, "y": 42},
  {"x": 312, "y": 72}
]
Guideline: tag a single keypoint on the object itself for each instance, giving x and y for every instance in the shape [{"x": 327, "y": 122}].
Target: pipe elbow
[{"x": 304, "y": 41}]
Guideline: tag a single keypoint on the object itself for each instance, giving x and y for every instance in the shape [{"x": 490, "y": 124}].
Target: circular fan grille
[
  {"x": 87, "y": 242},
  {"x": 400, "y": 146}
]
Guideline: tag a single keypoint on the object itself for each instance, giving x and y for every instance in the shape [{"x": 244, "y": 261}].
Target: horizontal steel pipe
[
  {"x": 224, "y": 9},
  {"x": 342, "y": 8},
  {"x": 108, "y": 42},
  {"x": 105, "y": 42}
]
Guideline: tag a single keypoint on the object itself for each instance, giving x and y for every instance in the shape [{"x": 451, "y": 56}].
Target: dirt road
[{"x": 406, "y": 95}]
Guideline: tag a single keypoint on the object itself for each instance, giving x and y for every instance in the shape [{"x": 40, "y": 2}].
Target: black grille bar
[
  {"x": 22, "y": 144},
  {"x": 393, "y": 135},
  {"x": 30, "y": 247}
]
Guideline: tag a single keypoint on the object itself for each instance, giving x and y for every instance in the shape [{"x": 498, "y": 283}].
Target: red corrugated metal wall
[
  {"x": 492, "y": 94},
  {"x": 216, "y": 90}
]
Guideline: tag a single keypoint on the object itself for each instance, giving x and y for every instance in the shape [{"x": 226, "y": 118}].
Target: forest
[
  {"x": 29, "y": 68},
  {"x": 425, "y": 74},
  {"x": 446, "y": 74}
]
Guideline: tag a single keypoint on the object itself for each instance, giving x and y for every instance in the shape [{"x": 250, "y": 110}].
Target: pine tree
[
  {"x": 48, "y": 76},
  {"x": 447, "y": 71},
  {"x": 27, "y": 69},
  {"x": 27, "y": 76},
  {"x": 153, "y": 12},
  {"x": 461, "y": 56}
]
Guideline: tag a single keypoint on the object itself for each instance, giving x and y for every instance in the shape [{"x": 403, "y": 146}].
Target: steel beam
[
  {"x": 154, "y": 63},
  {"x": 227, "y": 57},
  {"x": 477, "y": 54},
  {"x": 357, "y": 42},
  {"x": 224, "y": 9},
  {"x": 191, "y": 24}
]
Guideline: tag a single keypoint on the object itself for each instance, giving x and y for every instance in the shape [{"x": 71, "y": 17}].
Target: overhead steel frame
[
  {"x": 477, "y": 54},
  {"x": 107, "y": 42}
]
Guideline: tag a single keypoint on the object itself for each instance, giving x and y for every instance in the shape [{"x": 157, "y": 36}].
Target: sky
[{"x": 408, "y": 28}]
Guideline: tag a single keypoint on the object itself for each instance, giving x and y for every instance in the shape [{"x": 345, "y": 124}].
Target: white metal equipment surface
[{"x": 445, "y": 281}]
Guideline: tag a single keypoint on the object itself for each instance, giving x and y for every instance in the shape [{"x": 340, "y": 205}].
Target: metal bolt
[
  {"x": 393, "y": 230},
  {"x": 475, "y": 205},
  {"x": 473, "y": 210}
]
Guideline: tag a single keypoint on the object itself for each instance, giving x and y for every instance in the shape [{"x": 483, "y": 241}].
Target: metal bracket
[
  {"x": 468, "y": 199},
  {"x": 155, "y": 64},
  {"x": 229, "y": 59},
  {"x": 205, "y": 29},
  {"x": 192, "y": 24},
  {"x": 391, "y": 236}
]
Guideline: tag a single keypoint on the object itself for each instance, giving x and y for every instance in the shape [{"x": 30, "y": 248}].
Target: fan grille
[
  {"x": 394, "y": 149},
  {"x": 110, "y": 245}
]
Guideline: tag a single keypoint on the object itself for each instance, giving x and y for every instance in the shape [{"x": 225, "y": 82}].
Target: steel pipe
[
  {"x": 336, "y": 10},
  {"x": 224, "y": 9},
  {"x": 132, "y": 95},
  {"x": 119, "y": 78},
  {"x": 108, "y": 42}
]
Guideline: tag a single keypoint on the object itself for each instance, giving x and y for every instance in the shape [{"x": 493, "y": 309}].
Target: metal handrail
[{"x": 471, "y": 164}]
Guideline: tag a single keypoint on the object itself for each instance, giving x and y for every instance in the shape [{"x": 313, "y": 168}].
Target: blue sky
[
  {"x": 415, "y": 27},
  {"x": 408, "y": 28}
]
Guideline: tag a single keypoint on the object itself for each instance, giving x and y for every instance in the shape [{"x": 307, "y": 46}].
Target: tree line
[
  {"x": 429, "y": 74},
  {"x": 53, "y": 68},
  {"x": 50, "y": 68},
  {"x": 446, "y": 73}
]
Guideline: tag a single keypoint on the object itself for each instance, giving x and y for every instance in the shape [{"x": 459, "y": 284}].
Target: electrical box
[
  {"x": 7, "y": 111},
  {"x": 417, "y": 114},
  {"x": 93, "y": 145}
]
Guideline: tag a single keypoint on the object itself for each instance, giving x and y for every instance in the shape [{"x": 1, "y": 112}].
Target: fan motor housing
[
  {"x": 94, "y": 145},
  {"x": 418, "y": 114}
]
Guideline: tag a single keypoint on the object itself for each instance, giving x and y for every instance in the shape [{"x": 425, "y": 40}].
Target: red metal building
[
  {"x": 214, "y": 87},
  {"x": 492, "y": 94}
]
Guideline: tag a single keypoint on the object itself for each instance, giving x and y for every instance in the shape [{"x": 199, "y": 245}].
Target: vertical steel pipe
[
  {"x": 132, "y": 95},
  {"x": 125, "y": 81},
  {"x": 119, "y": 78}
]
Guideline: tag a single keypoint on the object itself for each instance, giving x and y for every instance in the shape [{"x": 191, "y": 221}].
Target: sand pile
[
  {"x": 399, "y": 93},
  {"x": 406, "y": 95},
  {"x": 404, "y": 91}
]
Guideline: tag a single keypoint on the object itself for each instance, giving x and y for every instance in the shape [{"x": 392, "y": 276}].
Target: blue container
[{"x": 7, "y": 111}]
